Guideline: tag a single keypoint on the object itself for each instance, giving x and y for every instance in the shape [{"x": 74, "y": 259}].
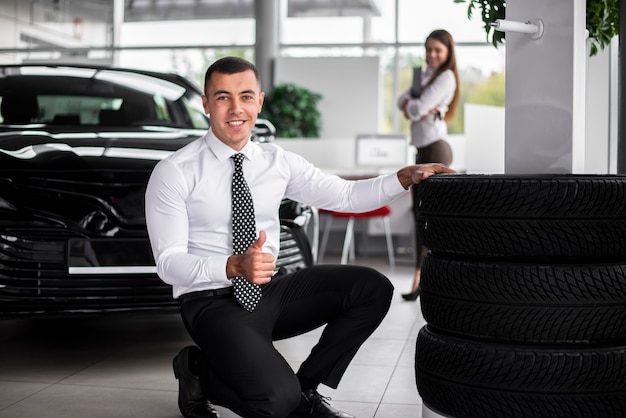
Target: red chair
[{"x": 348, "y": 242}]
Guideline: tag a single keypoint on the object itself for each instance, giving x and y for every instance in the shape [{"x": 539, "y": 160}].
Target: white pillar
[
  {"x": 266, "y": 46},
  {"x": 118, "y": 20},
  {"x": 601, "y": 112},
  {"x": 545, "y": 88}
]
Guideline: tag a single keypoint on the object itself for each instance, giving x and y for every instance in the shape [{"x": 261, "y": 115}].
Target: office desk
[{"x": 358, "y": 173}]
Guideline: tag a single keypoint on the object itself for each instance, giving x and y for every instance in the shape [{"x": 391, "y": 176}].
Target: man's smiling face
[{"x": 233, "y": 102}]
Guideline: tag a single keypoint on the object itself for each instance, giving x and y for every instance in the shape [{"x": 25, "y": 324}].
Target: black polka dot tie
[{"x": 244, "y": 233}]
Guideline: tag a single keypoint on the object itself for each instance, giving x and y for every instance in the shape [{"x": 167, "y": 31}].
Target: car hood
[
  {"x": 92, "y": 183},
  {"x": 39, "y": 149}
]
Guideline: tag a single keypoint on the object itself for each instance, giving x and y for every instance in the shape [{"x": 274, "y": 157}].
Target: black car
[{"x": 77, "y": 145}]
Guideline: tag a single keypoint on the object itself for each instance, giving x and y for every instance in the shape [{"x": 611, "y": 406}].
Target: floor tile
[
  {"x": 12, "y": 392},
  {"x": 399, "y": 411},
  {"x": 379, "y": 352},
  {"x": 361, "y": 384},
  {"x": 402, "y": 388},
  {"x": 69, "y": 401},
  {"x": 121, "y": 365}
]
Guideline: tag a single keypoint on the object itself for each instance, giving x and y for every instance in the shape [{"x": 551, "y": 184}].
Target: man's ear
[
  {"x": 205, "y": 104},
  {"x": 261, "y": 100}
]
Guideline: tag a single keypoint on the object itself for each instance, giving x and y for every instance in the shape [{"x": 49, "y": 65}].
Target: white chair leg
[
  {"x": 315, "y": 241},
  {"x": 347, "y": 241},
  {"x": 322, "y": 249},
  {"x": 390, "y": 251},
  {"x": 352, "y": 253}
]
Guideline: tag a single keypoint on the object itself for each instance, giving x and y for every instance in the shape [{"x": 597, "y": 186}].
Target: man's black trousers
[{"x": 241, "y": 369}]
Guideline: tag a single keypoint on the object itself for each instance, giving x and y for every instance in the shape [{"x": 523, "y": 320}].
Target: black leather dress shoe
[
  {"x": 191, "y": 401},
  {"x": 314, "y": 405}
]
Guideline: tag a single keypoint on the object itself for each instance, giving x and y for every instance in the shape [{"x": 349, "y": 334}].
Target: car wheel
[
  {"x": 523, "y": 295},
  {"x": 524, "y": 302},
  {"x": 524, "y": 217},
  {"x": 468, "y": 378}
]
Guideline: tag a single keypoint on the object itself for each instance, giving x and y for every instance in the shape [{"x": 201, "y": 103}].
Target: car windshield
[{"x": 86, "y": 97}]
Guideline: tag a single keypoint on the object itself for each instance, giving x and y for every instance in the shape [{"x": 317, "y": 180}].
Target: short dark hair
[{"x": 230, "y": 65}]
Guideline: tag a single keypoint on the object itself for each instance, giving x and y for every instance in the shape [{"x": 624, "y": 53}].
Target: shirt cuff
[
  {"x": 392, "y": 185},
  {"x": 217, "y": 269},
  {"x": 402, "y": 98},
  {"x": 413, "y": 110}
]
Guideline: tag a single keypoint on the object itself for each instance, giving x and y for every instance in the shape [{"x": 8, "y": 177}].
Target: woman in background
[{"x": 429, "y": 109}]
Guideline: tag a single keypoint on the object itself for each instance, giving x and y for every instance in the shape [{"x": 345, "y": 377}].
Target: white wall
[
  {"x": 484, "y": 134},
  {"x": 350, "y": 89},
  {"x": 334, "y": 153}
]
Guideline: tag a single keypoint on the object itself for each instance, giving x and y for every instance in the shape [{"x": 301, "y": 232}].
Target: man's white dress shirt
[{"x": 188, "y": 205}]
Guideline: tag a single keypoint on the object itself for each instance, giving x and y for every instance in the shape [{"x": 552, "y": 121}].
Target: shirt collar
[{"x": 223, "y": 152}]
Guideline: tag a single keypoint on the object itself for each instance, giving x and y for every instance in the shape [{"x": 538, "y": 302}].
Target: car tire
[
  {"x": 524, "y": 302},
  {"x": 524, "y": 217},
  {"x": 565, "y": 196},
  {"x": 523, "y": 295},
  {"x": 460, "y": 377}
]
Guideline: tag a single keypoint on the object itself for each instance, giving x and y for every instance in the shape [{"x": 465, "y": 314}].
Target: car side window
[
  {"x": 74, "y": 110},
  {"x": 196, "y": 113},
  {"x": 162, "y": 111}
]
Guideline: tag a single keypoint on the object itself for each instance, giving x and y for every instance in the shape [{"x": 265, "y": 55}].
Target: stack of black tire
[{"x": 524, "y": 296}]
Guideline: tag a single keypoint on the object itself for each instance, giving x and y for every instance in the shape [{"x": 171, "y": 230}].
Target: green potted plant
[
  {"x": 602, "y": 20},
  {"x": 293, "y": 111}
]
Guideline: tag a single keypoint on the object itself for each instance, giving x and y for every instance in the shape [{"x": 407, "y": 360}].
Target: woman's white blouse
[{"x": 428, "y": 129}]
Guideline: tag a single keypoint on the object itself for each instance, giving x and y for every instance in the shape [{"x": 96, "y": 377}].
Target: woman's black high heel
[{"x": 411, "y": 296}]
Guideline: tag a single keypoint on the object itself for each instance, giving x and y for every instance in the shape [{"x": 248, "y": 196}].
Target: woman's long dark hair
[{"x": 445, "y": 38}]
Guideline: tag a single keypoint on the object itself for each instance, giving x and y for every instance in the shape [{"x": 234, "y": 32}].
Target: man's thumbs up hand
[{"x": 254, "y": 265}]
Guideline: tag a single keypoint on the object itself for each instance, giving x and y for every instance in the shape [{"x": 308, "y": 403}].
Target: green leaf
[
  {"x": 602, "y": 20},
  {"x": 293, "y": 111}
]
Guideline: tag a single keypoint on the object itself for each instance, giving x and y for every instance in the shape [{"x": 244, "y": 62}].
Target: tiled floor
[{"x": 119, "y": 366}]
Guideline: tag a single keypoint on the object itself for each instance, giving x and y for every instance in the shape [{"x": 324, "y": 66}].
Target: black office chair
[
  {"x": 17, "y": 109},
  {"x": 137, "y": 112},
  {"x": 110, "y": 117},
  {"x": 66, "y": 120}
]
